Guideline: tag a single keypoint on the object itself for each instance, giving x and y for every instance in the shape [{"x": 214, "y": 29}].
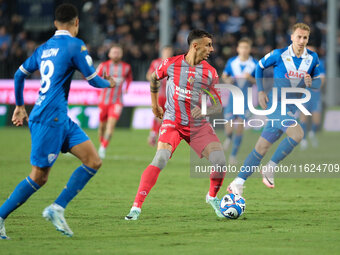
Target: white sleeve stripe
[
  {"x": 260, "y": 64},
  {"x": 22, "y": 69},
  {"x": 91, "y": 76},
  {"x": 157, "y": 74}
]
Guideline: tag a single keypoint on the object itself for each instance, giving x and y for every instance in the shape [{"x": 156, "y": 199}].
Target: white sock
[
  {"x": 209, "y": 196},
  {"x": 134, "y": 208},
  {"x": 58, "y": 207},
  {"x": 272, "y": 163},
  {"x": 239, "y": 180}
]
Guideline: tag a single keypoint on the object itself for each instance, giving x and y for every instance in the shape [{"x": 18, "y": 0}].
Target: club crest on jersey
[
  {"x": 51, "y": 157},
  {"x": 191, "y": 80},
  {"x": 295, "y": 74},
  {"x": 83, "y": 48},
  {"x": 307, "y": 61}
]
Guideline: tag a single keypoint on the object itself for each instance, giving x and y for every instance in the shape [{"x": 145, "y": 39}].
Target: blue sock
[
  {"x": 253, "y": 159},
  {"x": 20, "y": 194},
  {"x": 304, "y": 127},
  {"x": 284, "y": 148},
  {"x": 236, "y": 144},
  {"x": 75, "y": 184},
  {"x": 315, "y": 128}
]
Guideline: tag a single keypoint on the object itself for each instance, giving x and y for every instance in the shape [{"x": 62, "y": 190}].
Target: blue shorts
[
  {"x": 277, "y": 124},
  {"x": 228, "y": 110},
  {"x": 48, "y": 141},
  {"x": 315, "y": 103}
]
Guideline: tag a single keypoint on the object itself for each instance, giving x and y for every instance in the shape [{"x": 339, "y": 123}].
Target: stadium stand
[{"x": 134, "y": 24}]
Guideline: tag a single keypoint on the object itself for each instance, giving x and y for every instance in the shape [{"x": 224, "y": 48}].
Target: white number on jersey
[{"x": 46, "y": 77}]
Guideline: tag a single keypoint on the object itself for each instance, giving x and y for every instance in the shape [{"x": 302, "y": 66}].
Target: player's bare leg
[
  {"x": 149, "y": 178},
  {"x": 87, "y": 154},
  {"x": 108, "y": 133},
  {"x": 40, "y": 175},
  {"x": 214, "y": 153}
]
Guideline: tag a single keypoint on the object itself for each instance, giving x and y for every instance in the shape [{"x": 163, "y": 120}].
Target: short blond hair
[
  {"x": 245, "y": 40},
  {"x": 302, "y": 26}
]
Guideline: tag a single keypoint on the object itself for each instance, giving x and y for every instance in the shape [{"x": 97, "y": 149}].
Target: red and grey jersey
[
  {"x": 184, "y": 87},
  {"x": 121, "y": 72},
  {"x": 153, "y": 67}
]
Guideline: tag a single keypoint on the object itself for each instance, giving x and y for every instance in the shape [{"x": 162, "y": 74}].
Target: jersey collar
[
  {"x": 62, "y": 32},
  {"x": 246, "y": 61},
  {"x": 291, "y": 52}
]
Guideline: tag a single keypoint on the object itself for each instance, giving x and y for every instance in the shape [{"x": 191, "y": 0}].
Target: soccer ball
[{"x": 232, "y": 206}]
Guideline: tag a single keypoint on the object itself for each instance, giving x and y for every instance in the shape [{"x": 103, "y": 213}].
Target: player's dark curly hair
[
  {"x": 66, "y": 13},
  {"x": 197, "y": 34}
]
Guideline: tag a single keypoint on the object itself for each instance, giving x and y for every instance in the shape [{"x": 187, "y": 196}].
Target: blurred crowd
[{"x": 135, "y": 25}]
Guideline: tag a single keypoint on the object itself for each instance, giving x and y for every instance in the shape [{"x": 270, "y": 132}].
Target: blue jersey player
[
  {"x": 294, "y": 66},
  {"x": 51, "y": 129},
  {"x": 315, "y": 107},
  {"x": 239, "y": 70}
]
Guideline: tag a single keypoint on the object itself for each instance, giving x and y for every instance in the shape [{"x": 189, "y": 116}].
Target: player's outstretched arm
[
  {"x": 110, "y": 79},
  {"x": 95, "y": 81},
  {"x": 83, "y": 61},
  {"x": 154, "y": 87}
]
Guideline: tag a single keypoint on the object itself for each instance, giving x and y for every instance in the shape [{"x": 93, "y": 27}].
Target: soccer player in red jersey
[
  {"x": 110, "y": 101},
  {"x": 167, "y": 52},
  {"x": 186, "y": 76}
]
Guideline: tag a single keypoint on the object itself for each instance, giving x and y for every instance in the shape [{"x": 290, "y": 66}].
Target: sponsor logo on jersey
[
  {"x": 184, "y": 91},
  {"x": 40, "y": 100},
  {"x": 295, "y": 74}
]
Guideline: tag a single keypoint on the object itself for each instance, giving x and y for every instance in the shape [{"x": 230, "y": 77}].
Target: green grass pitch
[{"x": 299, "y": 216}]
